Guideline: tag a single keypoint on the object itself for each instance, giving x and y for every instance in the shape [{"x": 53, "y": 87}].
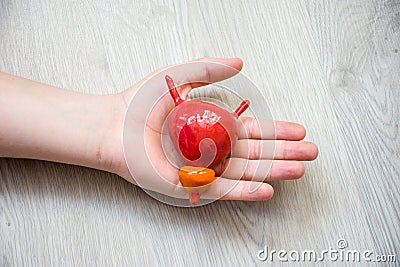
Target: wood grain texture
[
  {"x": 361, "y": 65},
  {"x": 331, "y": 65}
]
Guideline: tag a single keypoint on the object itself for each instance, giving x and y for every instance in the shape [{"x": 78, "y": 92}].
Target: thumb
[
  {"x": 204, "y": 71},
  {"x": 192, "y": 74}
]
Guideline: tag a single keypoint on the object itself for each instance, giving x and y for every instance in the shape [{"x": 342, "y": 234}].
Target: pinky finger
[{"x": 228, "y": 189}]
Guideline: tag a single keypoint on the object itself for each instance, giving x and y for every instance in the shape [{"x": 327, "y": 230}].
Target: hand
[
  {"x": 251, "y": 161},
  {"x": 66, "y": 126}
]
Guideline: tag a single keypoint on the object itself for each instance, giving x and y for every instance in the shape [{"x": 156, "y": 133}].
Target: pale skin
[{"x": 39, "y": 121}]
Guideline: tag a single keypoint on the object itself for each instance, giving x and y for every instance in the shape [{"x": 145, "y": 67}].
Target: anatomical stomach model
[{"x": 203, "y": 134}]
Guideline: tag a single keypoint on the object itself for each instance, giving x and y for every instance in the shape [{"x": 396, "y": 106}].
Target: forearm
[{"x": 39, "y": 121}]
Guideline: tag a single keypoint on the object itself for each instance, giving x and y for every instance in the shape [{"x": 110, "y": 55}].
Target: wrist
[
  {"x": 39, "y": 121},
  {"x": 106, "y": 127}
]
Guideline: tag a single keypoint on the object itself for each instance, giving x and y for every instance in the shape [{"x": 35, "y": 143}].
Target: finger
[
  {"x": 222, "y": 188},
  {"x": 275, "y": 149},
  {"x": 193, "y": 74},
  {"x": 253, "y": 128},
  {"x": 260, "y": 170},
  {"x": 204, "y": 71},
  {"x": 214, "y": 70},
  {"x": 227, "y": 189}
]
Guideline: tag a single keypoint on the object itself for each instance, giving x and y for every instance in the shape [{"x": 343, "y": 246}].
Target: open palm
[{"x": 266, "y": 150}]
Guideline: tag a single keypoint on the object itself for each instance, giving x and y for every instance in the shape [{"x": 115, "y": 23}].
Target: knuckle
[
  {"x": 255, "y": 149},
  {"x": 206, "y": 73},
  {"x": 248, "y": 171}
]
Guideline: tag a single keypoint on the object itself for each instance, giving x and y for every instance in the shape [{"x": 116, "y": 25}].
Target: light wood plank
[
  {"x": 358, "y": 44},
  {"x": 328, "y": 64}
]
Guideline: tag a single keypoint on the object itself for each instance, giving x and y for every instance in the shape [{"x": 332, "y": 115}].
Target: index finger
[{"x": 253, "y": 128}]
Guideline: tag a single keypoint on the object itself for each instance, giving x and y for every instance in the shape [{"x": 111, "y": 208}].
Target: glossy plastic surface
[{"x": 202, "y": 132}]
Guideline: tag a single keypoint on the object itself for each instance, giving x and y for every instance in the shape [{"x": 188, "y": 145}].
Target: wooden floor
[{"x": 332, "y": 65}]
